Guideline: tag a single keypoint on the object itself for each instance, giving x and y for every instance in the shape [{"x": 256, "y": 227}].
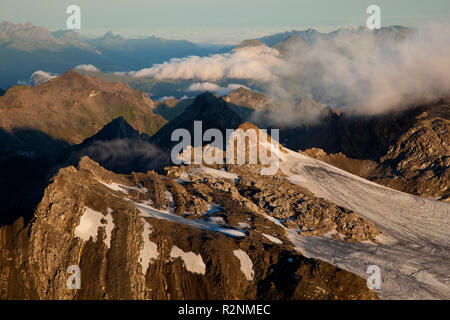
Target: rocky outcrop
[
  {"x": 248, "y": 104},
  {"x": 420, "y": 158},
  {"x": 416, "y": 153}
]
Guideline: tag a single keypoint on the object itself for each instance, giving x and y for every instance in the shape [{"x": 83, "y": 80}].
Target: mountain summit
[
  {"x": 211, "y": 110},
  {"x": 116, "y": 129}
]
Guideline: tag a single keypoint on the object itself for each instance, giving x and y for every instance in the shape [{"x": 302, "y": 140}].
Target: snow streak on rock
[{"x": 246, "y": 264}]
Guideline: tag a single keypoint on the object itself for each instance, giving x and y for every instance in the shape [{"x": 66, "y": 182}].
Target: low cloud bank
[
  {"x": 368, "y": 72},
  {"x": 252, "y": 63},
  {"x": 371, "y": 73},
  {"x": 126, "y": 155},
  {"x": 40, "y": 77},
  {"x": 212, "y": 87},
  {"x": 86, "y": 68}
]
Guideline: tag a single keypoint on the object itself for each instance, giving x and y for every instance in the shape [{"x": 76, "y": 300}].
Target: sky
[{"x": 219, "y": 21}]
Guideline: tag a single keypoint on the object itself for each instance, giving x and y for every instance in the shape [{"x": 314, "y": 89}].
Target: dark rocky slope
[{"x": 212, "y": 111}]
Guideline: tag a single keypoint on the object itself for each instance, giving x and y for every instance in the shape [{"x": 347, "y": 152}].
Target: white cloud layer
[
  {"x": 372, "y": 74},
  {"x": 87, "y": 68},
  {"x": 369, "y": 74},
  {"x": 213, "y": 87},
  {"x": 251, "y": 63},
  {"x": 40, "y": 77}
]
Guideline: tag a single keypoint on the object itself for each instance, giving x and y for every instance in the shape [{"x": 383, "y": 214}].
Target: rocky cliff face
[
  {"x": 196, "y": 233},
  {"x": 420, "y": 158},
  {"x": 414, "y": 155}
]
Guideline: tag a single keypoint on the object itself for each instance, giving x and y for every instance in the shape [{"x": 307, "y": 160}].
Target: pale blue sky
[{"x": 219, "y": 20}]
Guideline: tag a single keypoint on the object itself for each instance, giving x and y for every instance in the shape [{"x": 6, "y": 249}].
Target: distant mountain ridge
[
  {"x": 73, "y": 107},
  {"x": 36, "y": 48},
  {"x": 310, "y": 36},
  {"x": 27, "y": 37}
]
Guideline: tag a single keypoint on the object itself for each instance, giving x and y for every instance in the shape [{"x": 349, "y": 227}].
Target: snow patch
[
  {"x": 148, "y": 211},
  {"x": 90, "y": 221},
  {"x": 149, "y": 252},
  {"x": 246, "y": 264},
  {"x": 192, "y": 262},
  {"x": 273, "y": 239}
]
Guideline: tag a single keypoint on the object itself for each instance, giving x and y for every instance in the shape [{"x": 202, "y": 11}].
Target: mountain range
[
  {"x": 226, "y": 232},
  {"x": 124, "y": 131},
  {"x": 36, "y": 48},
  {"x": 69, "y": 109},
  {"x": 86, "y": 180},
  {"x": 311, "y": 36}
]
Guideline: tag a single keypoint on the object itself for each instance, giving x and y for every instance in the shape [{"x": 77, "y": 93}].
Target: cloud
[
  {"x": 166, "y": 97},
  {"x": 367, "y": 72},
  {"x": 213, "y": 87},
  {"x": 125, "y": 155},
  {"x": 40, "y": 77},
  {"x": 87, "y": 68},
  {"x": 250, "y": 63},
  {"x": 370, "y": 73}
]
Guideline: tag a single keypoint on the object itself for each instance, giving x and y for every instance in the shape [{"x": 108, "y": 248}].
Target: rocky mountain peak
[
  {"x": 118, "y": 128},
  {"x": 73, "y": 77},
  {"x": 249, "y": 43},
  {"x": 243, "y": 97},
  {"x": 211, "y": 110},
  {"x": 207, "y": 100},
  {"x": 247, "y": 125}
]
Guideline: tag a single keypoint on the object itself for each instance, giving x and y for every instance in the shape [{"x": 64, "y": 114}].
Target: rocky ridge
[{"x": 147, "y": 236}]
